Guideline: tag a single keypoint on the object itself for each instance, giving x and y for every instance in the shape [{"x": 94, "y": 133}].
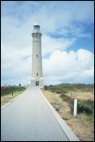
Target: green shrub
[
  {"x": 85, "y": 107},
  {"x": 45, "y": 87},
  {"x": 66, "y": 87},
  {"x": 9, "y": 89}
]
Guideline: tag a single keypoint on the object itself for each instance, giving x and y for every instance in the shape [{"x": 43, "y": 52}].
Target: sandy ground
[{"x": 83, "y": 128}]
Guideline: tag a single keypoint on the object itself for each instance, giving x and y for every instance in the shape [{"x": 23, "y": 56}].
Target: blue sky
[{"x": 67, "y": 41}]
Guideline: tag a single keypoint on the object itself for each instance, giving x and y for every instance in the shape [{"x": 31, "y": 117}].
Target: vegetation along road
[
  {"x": 61, "y": 96},
  {"x": 10, "y": 92}
]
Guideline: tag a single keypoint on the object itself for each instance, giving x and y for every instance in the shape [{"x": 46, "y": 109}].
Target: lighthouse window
[
  {"x": 37, "y": 55},
  {"x": 37, "y": 74}
]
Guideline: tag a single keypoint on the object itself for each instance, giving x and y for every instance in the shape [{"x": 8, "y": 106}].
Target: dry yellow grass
[
  {"x": 81, "y": 95},
  {"x": 83, "y": 129},
  {"x": 6, "y": 98}
]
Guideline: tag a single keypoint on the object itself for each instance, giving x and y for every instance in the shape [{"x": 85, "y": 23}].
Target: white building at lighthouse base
[{"x": 37, "y": 82}]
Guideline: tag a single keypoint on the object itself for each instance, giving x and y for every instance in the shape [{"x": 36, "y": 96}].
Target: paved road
[{"x": 29, "y": 118}]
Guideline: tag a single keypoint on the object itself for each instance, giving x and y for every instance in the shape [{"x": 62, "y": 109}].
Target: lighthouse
[{"x": 37, "y": 74}]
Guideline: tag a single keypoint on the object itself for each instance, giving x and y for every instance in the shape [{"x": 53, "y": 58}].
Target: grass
[
  {"x": 10, "y": 92},
  {"x": 66, "y": 87},
  {"x": 67, "y": 92},
  {"x": 86, "y": 117},
  {"x": 9, "y": 89},
  {"x": 83, "y": 106},
  {"x": 61, "y": 96}
]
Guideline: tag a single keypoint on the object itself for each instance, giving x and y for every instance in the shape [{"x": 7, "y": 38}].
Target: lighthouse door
[{"x": 37, "y": 83}]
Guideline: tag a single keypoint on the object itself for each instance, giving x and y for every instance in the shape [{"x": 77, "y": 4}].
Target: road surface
[{"x": 29, "y": 118}]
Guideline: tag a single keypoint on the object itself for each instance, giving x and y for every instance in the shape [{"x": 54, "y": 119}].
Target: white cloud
[
  {"x": 61, "y": 66},
  {"x": 70, "y": 66},
  {"x": 55, "y": 18},
  {"x": 15, "y": 64},
  {"x": 50, "y": 45}
]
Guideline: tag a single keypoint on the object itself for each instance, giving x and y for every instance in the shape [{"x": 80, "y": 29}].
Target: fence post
[{"x": 75, "y": 107}]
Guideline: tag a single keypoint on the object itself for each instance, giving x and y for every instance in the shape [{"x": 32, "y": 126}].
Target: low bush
[
  {"x": 85, "y": 107},
  {"x": 9, "y": 89},
  {"x": 45, "y": 87},
  {"x": 66, "y": 87}
]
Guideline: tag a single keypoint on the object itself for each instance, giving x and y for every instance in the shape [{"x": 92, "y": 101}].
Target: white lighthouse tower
[{"x": 37, "y": 75}]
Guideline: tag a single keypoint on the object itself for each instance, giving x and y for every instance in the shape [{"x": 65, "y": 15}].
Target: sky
[{"x": 67, "y": 41}]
